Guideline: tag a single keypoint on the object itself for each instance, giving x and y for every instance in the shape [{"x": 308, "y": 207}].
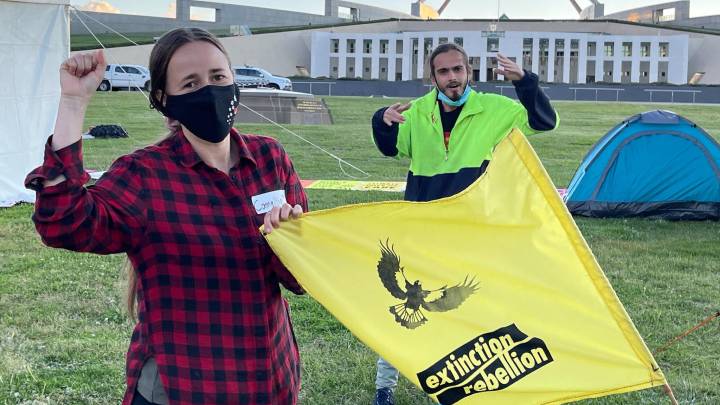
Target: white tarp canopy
[{"x": 34, "y": 41}]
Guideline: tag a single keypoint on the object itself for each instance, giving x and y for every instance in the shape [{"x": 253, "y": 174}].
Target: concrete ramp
[{"x": 284, "y": 107}]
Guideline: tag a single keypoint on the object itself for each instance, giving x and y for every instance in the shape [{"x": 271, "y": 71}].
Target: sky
[{"x": 548, "y": 9}]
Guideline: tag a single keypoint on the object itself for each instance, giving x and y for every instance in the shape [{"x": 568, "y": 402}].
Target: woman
[{"x": 212, "y": 326}]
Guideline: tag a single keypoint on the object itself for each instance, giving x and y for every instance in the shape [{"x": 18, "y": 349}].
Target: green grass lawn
[
  {"x": 85, "y": 41},
  {"x": 80, "y": 42},
  {"x": 64, "y": 330}
]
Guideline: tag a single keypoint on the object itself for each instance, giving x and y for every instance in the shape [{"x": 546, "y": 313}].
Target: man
[{"x": 449, "y": 135}]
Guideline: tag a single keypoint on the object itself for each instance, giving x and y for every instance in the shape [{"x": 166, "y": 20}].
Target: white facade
[{"x": 566, "y": 57}]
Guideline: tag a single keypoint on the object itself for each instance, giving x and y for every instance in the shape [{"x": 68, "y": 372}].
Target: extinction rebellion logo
[{"x": 490, "y": 362}]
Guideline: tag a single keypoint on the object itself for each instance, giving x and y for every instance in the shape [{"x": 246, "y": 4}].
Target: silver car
[{"x": 251, "y": 74}]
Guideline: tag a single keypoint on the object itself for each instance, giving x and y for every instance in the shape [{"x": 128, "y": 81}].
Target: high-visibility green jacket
[{"x": 438, "y": 171}]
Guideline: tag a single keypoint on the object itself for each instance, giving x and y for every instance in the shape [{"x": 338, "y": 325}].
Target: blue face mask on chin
[{"x": 455, "y": 103}]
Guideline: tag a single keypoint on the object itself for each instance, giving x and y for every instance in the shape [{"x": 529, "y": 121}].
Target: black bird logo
[{"x": 409, "y": 313}]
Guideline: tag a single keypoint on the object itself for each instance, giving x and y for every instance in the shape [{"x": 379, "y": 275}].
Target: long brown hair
[{"x": 160, "y": 57}]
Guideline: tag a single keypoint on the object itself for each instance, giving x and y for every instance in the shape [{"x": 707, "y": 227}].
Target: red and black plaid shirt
[{"x": 210, "y": 310}]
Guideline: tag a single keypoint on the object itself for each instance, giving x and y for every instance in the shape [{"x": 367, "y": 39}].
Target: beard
[{"x": 454, "y": 89}]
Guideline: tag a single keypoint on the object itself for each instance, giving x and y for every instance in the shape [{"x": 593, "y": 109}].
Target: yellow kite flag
[{"x": 491, "y": 296}]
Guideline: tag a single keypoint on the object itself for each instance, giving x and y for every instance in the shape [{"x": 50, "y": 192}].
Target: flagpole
[{"x": 670, "y": 394}]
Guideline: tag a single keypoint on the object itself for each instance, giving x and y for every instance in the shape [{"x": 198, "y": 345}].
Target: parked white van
[{"x": 130, "y": 76}]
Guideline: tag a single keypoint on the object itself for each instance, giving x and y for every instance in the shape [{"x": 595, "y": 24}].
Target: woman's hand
[
  {"x": 278, "y": 214},
  {"x": 81, "y": 74}
]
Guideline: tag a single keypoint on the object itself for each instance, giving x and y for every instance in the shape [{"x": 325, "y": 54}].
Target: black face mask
[{"x": 208, "y": 113}]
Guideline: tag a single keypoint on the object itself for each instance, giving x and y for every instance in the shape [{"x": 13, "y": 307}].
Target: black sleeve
[
  {"x": 385, "y": 136},
  {"x": 541, "y": 115}
]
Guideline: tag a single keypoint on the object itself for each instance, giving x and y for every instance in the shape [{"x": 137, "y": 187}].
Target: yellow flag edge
[{"x": 598, "y": 278}]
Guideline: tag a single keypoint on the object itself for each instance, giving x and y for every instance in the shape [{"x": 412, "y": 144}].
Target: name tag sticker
[{"x": 265, "y": 202}]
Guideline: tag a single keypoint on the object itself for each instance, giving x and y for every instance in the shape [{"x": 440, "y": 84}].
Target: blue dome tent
[{"x": 655, "y": 164}]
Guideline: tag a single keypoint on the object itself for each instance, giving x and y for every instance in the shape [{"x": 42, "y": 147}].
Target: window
[
  {"x": 428, "y": 46},
  {"x": 493, "y": 44},
  {"x": 351, "y": 46},
  {"x": 350, "y": 66},
  {"x": 367, "y": 45},
  {"x": 443, "y": 40},
  {"x": 574, "y": 48},
  {"x": 399, "y": 46},
  {"x": 627, "y": 49},
  {"x": 208, "y": 14},
  {"x": 347, "y": 13},
  {"x": 644, "y": 74},
  {"x": 645, "y": 49},
  {"x": 664, "y": 49},
  {"x": 559, "y": 50},
  {"x": 527, "y": 46},
  {"x": 126, "y": 69},
  {"x": 591, "y": 49},
  {"x": 607, "y": 69},
  {"x": 544, "y": 44},
  {"x": 664, "y": 15},
  {"x": 527, "y": 53},
  {"x": 458, "y": 41},
  {"x": 248, "y": 72},
  {"x": 335, "y": 45},
  {"x": 383, "y": 46},
  {"x": 609, "y": 49},
  {"x": 334, "y": 61}
]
